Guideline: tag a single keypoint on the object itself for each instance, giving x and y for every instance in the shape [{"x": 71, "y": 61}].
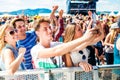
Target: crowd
[{"x": 58, "y": 41}]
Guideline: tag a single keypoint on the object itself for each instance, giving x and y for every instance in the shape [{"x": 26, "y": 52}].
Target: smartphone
[{"x": 94, "y": 20}]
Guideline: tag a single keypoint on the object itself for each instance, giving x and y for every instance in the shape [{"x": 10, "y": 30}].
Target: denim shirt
[{"x": 15, "y": 53}]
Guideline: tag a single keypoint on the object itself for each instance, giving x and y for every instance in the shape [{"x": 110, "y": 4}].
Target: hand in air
[{"x": 21, "y": 50}]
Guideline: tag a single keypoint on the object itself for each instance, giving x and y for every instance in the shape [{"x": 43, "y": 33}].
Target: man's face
[
  {"x": 20, "y": 26},
  {"x": 45, "y": 32}
]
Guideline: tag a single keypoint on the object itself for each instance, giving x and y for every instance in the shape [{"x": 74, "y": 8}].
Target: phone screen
[{"x": 94, "y": 20}]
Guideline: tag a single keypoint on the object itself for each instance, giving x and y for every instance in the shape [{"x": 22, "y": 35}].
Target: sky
[
  {"x": 112, "y": 5},
  {"x": 12, "y": 5}
]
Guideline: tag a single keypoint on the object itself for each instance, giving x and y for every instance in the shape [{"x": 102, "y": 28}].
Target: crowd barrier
[{"x": 105, "y": 72}]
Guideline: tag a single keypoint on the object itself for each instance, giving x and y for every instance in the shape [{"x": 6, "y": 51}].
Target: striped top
[{"x": 28, "y": 43}]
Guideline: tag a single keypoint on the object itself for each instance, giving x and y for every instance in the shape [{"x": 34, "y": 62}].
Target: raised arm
[
  {"x": 12, "y": 64},
  {"x": 106, "y": 42},
  {"x": 52, "y": 15},
  {"x": 60, "y": 26}
]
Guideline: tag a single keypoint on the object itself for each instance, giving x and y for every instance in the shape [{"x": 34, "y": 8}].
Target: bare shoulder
[{"x": 7, "y": 53}]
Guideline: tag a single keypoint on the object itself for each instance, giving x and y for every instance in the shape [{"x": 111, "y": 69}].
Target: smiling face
[
  {"x": 11, "y": 35},
  {"x": 20, "y": 26},
  {"x": 78, "y": 32}
]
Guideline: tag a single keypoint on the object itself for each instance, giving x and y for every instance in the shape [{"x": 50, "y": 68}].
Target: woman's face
[
  {"x": 78, "y": 32},
  {"x": 11, "y": 35}
]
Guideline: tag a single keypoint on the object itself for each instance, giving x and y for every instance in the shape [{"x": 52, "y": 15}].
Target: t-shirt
[
  {"x": 81, "y": 55},
  {"x": 53, "y": 62},
  {"x": 28, "y": 43}
]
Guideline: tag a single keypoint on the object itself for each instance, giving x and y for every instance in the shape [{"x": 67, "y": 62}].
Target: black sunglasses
[
  {"x": 13, "y": 32},
  {"x": 83, "y": 56}
]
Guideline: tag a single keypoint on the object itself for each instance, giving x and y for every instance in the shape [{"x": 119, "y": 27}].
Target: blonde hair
[
  {"x": 41, "y": 20},
  {"x": 113, "y": 35},
  {"x": 2, "y": 34},
  {"x": 68, "y": 36},
  {"x": 69, "y": 32}
]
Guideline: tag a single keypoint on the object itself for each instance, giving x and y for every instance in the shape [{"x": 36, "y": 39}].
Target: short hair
[
  {"x": 15, "y": 20},
  {"x": 41, "y": 20}
]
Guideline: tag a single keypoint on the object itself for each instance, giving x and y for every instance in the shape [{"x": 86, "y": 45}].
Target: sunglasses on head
[{"x": 13, "y": 32}]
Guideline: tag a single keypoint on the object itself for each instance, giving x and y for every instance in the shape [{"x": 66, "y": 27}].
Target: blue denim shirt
[{"x": 15, "y": 52}]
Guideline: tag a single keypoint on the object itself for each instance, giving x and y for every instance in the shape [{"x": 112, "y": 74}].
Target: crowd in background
[{"x": 64, "y": 31}]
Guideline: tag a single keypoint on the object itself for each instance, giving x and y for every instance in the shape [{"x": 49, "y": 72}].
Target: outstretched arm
[
  {"x": 67, "y": 47},
  {"x": 93, "y": 39}
]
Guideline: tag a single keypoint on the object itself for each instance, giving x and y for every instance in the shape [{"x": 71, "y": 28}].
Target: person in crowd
[
  {"x": 27, "y": 39},
  {"x": 109, "y": 43},
  {"x": 109, "y": 46},
  {"x": 11, "y": 57},
  {"x": 98, "y": 45},
  {"x": 116, "y": 72},
  {"x": 112, "y": 20},
  {"x": 47, "y": 54},
  {"x": 116, "y": 43},
  {"x": 105, "y": 27},
  {"x": 117, "y": 53},
  {"x": 32, "y": 23},
  {"x": 57, "y": 24},
  {"x": 72, "y": 32},
  {"x": 99, "y": 52}
]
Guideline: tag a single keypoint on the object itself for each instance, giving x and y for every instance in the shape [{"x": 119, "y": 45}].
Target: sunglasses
[
  {"x": 13, "y": 32},
  {"x": 83, "y": 56}
]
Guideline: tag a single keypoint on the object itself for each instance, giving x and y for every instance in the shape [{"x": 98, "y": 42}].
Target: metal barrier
[
  {"x": 109, "y": 72},
  {"x": 106, "y": 72}
]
